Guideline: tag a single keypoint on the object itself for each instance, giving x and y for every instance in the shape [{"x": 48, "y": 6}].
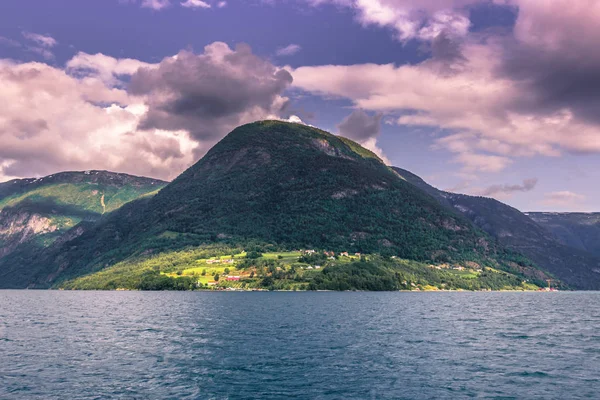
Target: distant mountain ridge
[
  {"x": 576, "y": 229},
  {"x": 35, "y": 213},
  {"x": 519, "y": 232}
]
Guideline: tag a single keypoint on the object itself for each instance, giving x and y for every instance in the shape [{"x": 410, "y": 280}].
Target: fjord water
[{"x": 321, "y": 345}]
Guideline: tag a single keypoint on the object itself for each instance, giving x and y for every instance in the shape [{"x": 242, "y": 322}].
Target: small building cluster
[{"x": 219, "y": 261}]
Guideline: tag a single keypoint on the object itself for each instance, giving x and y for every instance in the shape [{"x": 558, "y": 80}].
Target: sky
[{"x": 496, "y": 98}]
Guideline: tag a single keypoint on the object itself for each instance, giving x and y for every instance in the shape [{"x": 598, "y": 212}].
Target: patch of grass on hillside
[{"x": 284, "y": 271}]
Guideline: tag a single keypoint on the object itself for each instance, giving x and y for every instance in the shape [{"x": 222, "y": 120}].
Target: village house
[
  {"x": 233, "y": 278},
  {"x": 344, "y": 254},
  {"x": 309, "y": 251},
  {"x": 212, "y": 261}
]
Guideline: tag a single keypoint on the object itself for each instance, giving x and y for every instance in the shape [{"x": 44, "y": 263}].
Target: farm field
[{"x": 224, "y": 268}]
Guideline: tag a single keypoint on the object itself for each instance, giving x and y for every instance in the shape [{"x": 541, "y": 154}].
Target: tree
[
  {"x": 204, "y": 272},
  {"x": 226, "y": 271},
  {"x": 252, "y": 255},
  {"x": 217, "y": 277},
  {"x": 267, "y": 281}
]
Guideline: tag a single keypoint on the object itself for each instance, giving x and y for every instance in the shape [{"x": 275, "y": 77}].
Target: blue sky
[{"x": 454, "y": 86}]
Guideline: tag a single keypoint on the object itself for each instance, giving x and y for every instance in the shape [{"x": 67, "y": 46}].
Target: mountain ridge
[
  {"x": 277, "y": 185},
  {"x": 290, "y": 185},
  {"x": 36, "y": 212},
  {"x": 519, "y": 232}
]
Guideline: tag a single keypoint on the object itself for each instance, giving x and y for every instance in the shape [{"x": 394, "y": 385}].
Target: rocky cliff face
[
  {"x": 18, "y": 227},
  {"x": 36, "y": 213}
]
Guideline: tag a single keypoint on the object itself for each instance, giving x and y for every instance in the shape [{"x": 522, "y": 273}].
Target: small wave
[{"x": 535, "y": 374}]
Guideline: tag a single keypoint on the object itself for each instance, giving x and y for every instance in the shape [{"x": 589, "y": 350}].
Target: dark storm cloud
[
  {"x": 555, "y": 82},
  {"x": 360, "y": 126},
  {"x": 208, "y": 94},
  {"x": 528, "y": 185},
  {"x": 446, "y": 53},
  {"x": 554, "y": 56}
]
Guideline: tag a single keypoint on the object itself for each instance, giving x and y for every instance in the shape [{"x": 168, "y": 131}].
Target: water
[{"x": 151, "y": 345}]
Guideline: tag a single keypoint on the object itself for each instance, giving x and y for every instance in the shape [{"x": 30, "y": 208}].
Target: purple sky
[{"x": 488, "y": 97}]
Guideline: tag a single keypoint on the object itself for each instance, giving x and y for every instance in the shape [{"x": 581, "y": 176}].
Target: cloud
[
  {"x": 61, "y": 122},
  {"x": 105, "y": 68},
  {"x": 364, "y": 129},
  {"x": 409, "y": 19},
  {"x": 88, "y": 116},
  {"x": 492, "y": 96},
  {"x": 563, "y": 199},
  {"x": 527, "y": 186},
  {"x": 42, "y": 44},
  {"x": 211, "y": 93},
  {"x": 155, "y": 4},
  {"x": 41, "y": 40},
  {"x": 360, "y": 126},
  {"x": 195, "y": 4},
  {"x": 163, "y": 4},
  {"x": 288, "y": 50},
  {"x": 4, "y": 41}
]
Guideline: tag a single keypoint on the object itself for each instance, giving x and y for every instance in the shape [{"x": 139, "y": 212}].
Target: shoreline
[{"x": 308, "y": 291}]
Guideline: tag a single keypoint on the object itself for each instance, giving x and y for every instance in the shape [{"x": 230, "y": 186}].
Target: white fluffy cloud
[
  {"x": 409, "y": 19},
  {"x": 288, "y": 50},
  {"x": 86, "y": 117},
  {"x": 41, "y": 40},
  {"x": 195, "y": 4},
  {"x": 155, "y": 4},
  {"x": 494, "y": 96},
  {"x": 59, "y": 123}
]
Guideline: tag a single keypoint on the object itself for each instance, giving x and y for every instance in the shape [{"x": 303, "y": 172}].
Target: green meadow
[{"x": 208, "y": 268}]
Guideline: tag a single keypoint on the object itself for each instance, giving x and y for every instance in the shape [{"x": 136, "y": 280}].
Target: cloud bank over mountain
[{"x": 100, "y": 112}]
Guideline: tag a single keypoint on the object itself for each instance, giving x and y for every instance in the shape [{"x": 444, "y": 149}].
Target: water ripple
[{"x": 101, "y": 345}]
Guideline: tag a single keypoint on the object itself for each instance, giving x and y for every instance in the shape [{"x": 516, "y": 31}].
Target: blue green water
[{"x": 151, "y": 345}]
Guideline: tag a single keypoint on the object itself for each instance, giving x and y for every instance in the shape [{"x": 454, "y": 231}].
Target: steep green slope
[
  {"x": 34, "y": 213},
  {"x": 290, "y": 185},
  {"x": 523, "y": 234}
]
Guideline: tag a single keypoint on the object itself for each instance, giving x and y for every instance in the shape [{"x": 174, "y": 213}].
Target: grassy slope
[
  {"x": 284, "y": 270},
  {"x": 34, "y": 213}
]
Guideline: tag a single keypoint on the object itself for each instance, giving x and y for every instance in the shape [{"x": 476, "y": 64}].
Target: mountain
[
  {"x": 287, "y": 186},
  {"x": 578, "y": 230},
  {"x": 35, "y": 213},
  {"x": 567, "y": 259}
]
